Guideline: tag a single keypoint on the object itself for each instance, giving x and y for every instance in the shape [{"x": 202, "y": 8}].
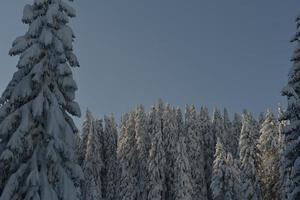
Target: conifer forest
[{"x": 159, "y": 153}]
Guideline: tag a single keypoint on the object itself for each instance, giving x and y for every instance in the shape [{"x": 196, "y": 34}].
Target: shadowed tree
[
  {"x": 291, "y": 154},
  {"x": 36, "y": 129}
]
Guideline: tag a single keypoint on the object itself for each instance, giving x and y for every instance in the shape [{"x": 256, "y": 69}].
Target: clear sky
[{"x": 232, "y": 53}]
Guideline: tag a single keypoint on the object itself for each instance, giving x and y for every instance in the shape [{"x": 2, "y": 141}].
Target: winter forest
[{"x": 164, "y": 153}]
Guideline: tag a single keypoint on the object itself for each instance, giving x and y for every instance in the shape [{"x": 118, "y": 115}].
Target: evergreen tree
[
  {"x": 248, "y": 158},
  {"x": 160, "y": 108},
  {"x": 157, "y": 164},
  {"x": 179, "y": 124},
  {"x": 123, "y": 125},
  {"x": 127, "y": 156},
  {"x": 232, "y": 178},
  {"x": 291, "y": 167},
  {"x": 228, "y": 132},
  {"x": 151, "y": 117},
  {"x": 110, "y": 158},
  {"x": 284, "y": 179},
  {"x": 87, "y": 128},
  {"x": 217, "y": 183},
  {"x": 218, "y": 125},
  {"x": 195, "y": 149},
  {"x": 170, "y": 141},
  {"x": 225, "y": 176},
  {"x": 269, "y": 149},
  {"x": 205, "y": 129},
  {"x": 261, "y": 119},
  {"x": 36, "y": 131},
  {"x": 236, "y": 131},
  {"x": 93, "y": 165},
  {"x": 183, "y": 183},
  {"x": 142, "y": 140}
]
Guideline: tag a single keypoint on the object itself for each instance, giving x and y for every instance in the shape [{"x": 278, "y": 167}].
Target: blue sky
[{"x": 232, "y": 53}]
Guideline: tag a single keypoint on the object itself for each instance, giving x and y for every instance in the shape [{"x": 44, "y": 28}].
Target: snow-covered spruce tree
[
  {"x": 142, "y": 145},
  {"x": 218, "y": 125},
  {"x": 228, "y": 132},
  {"x": 121, "y": 142},
  {"x": 232, "y": 178},
  {"x": 269, "y": 152},
  {"x": 291, "y": 131},
  {"x": 93, "y": 164},
  {"x": 87, "y": 128},
  {"x": 284, "y": 179},
  {"x": 205, "y": 129},
  {"x": 183, "y": 183},
  {"x": 195, "y": 151},
  {"x": 217, "y": 182},
  {"x": 225, "y": 176},
  {"x": 160, "y": 108},
  {"x": 169, "y": 140},
  {"x": 35, "y": 127},
  {"x": 110, "y": 158},
  {"x": 236, "y": 131},
  {"x": 179, "y": 124},
  {"x": 122, "y": 126},
  {"x": 281, "y": 124},
  {"x": 156, "y": 164},
  {"x": 261, "y": 119},
  {"x": 128, "y": 160},
  {"x": 151, "y": 119},
  {"x": 249, "y": 159}
]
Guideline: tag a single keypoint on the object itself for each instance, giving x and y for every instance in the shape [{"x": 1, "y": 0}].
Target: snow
[
  {"x": 63, "y": 69},
  {"x": 46, "y": 37},
  {"x": 6, "y": 155},
  {"x": 73, "y": 108},
  {"x": 68, "y": 9},
  {"x": 66, "y": 35},
  {"x": 27, "y": 14},
  {"x": 20, "y": 45},
  {"x": 35, "y": 27},
  {"x": 30, "y": 55},
  {"x": 38, "y": 105},
  {"x": 51, "y": 13}
]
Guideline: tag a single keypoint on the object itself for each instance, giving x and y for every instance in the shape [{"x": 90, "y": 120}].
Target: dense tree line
[{"x": 167, "y": 154}]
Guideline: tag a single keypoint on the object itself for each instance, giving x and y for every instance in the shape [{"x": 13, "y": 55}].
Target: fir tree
[
  {"x": 249, "y": 160},
  {"x": 225, "y": 176},
  {"x": 261, "y": 119},
  {"x": 291, "y": 167},
  {"x": 169, "y": 140},
  {"x": 127, "y": 156},
  {"x": 142, "y": 140},
  {"x": 87, "y": 128},
  {"x": 232, "y": 179},
  {"x": 228, "y": 133},
  {"x": 269, "y": 150},
  {"x": 93, "y": 165},
  {"x": 195, "y": 149},
  {"x": 183, "y": 183},
  {"x": 110, "y": 158},
  {"x": 157, "y": 164},
  {"x": 205, "y": 129},
  {"x": 217, "y": 183},
  {"x": 35, "y": 128},
  {"x": 151, "y": 117},
  {"x": 218, "y": 125},
  {"x": 236, "y": 131}
]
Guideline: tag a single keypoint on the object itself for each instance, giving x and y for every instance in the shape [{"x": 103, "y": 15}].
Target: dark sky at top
[{"x": 232, "y": 53}]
